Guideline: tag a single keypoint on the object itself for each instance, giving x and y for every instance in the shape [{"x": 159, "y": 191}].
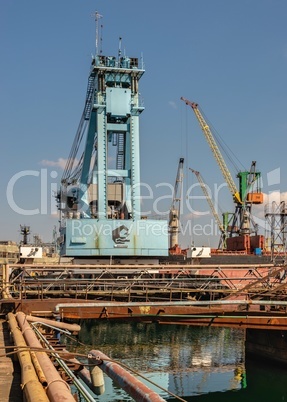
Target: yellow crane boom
[
  {"x": 209, "y": 200},
  {"x": 215, "y": 150}
]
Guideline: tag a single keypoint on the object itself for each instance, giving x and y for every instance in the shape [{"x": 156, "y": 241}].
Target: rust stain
[
  {"x": 144, "y": 309},
  {"x": 273, "y": 321}
]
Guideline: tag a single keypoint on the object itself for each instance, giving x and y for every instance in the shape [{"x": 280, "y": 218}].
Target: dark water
[{"x": 197, "y": 364}]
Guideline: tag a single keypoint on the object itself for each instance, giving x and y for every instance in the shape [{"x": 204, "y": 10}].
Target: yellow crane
[
  {"x": 215, "y": 150},
  {"x": 244, "y": 197},
  {"x": 222, "y": 228}
]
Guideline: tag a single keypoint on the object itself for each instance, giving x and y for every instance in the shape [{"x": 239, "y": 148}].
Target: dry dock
[{"x": 10, "y": 374}]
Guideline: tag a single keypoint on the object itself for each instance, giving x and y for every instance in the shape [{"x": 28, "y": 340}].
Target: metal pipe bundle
[
  {"x": 32, "y": 388},
  {"x": 57, "y": 389}
]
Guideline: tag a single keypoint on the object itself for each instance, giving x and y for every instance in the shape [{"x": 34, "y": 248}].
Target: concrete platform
[{"x": 10, "y": 371}]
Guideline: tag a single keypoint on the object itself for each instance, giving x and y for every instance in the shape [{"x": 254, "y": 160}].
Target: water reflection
[
  {"x": 266, "y": 383},
  {"x": 187, "y": 361}
]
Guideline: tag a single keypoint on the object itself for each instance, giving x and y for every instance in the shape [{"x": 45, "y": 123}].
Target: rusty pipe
[
  {"x": 32, "y": 388},
  {"x": 56, "y": 324},
  {"x": 134, "y": 387},
  {"x": 57, "y": 389},
  {"x": 38, "y": 369}
]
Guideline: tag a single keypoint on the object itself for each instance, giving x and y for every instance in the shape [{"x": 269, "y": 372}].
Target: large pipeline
[
  {"x": 57, "y": 389},
  {"x": 68, "y": 371},
  {"x": 135, "y": 388},
  {"x": 56, "y": 324},
  {"x": 32, "y": 388},
  {"x": 203, "y": 303}
]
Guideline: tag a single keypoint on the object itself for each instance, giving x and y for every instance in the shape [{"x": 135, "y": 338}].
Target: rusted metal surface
[
  {"x": 272, "y": 323},
  {"x": 161, "y": 293},
  {"x": 67, "y": 371},
  {"x": 32, "y": 388},
  {"x": 57, "y": 390},
  {"x": 226, "y": 315},
  {"x": 135, "y": 388},
  {"x": 41, "y": 376},
  {"x": 29, "y": 306},
  {"x": 62, "y": 325},
  {"x": 10, "y": 372},
  {"x": 126, "y": 280},
  {"x": 231, "y": 313}
]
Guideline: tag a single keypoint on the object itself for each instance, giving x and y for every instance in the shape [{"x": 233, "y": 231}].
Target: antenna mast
[
  {"x": 101, "y": 40},
  {"x": 120, "y": 47},
  {"x": 97, "y": 17}
]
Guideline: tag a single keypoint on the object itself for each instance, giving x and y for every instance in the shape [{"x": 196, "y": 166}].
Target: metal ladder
[
  {"x": 120, "y": 151},
  {"x": 89, "y": 97}
]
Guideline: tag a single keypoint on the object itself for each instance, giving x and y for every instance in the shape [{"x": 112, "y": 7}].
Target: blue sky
[{"x": 229, "y": 56}]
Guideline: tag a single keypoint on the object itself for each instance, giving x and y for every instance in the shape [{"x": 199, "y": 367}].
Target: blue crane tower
[{"x": 99, "y": 197}]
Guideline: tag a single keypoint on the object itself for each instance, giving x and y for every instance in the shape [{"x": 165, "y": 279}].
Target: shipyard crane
[
  {"x": 174, "y": 214},
  {"x": 222, "y": 227},
  {"x": 215, "y": 150},
  {"x": 244, "y": 197},
  {"x": 99, "y": 199}
]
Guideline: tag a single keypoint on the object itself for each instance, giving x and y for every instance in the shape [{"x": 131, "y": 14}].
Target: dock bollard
[{"x": 97, "y": 375}]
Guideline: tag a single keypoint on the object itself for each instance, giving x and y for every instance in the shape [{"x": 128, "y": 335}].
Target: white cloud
[
  {"x": 196, "y": 215},
  {"x": 259, "y": 212},
  {"x": 275, "y": 196},
  {"x": 61, "y": 163},
  {"x": 172, "y": 104}
]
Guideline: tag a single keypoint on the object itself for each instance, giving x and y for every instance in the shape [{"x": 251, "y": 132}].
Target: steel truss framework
[
  {"x": 276, "y": 225},
  {"x": 146, "y": 283}
]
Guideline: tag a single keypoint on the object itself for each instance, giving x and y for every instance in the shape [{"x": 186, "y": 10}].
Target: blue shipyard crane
[{"x": 99, "y": 199}]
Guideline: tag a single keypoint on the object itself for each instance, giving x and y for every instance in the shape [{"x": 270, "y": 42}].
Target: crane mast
[{"x": 174, "y": 215}]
